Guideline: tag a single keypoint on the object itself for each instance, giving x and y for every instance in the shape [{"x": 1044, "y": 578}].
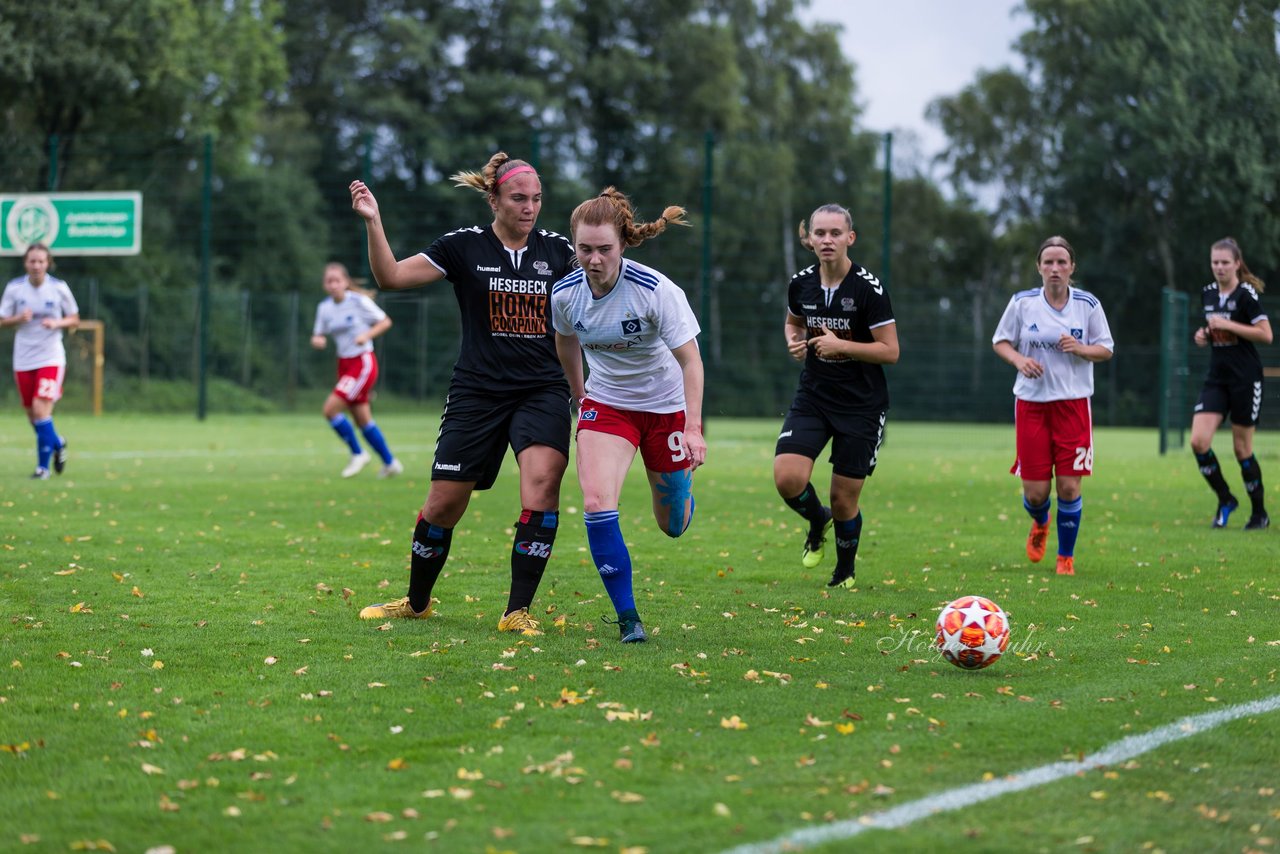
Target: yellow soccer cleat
[
  {"x": 519, "y": 621},
  {"x": 814, "y": 546},
  {"x": 399, "y": 609}
]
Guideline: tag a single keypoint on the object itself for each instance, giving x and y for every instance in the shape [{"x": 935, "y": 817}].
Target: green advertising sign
[{"x": 72, "y": 223}]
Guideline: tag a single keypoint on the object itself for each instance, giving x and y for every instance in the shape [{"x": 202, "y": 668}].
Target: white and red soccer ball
[{"x": 973, "y": 632}]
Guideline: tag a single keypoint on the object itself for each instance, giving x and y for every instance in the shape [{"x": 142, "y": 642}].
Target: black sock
[
  {"x": 1252, "y": 474},
  {"x": 530, "y": 551},
  {"x": 848, "y": 532},
  {"x": 1212, "y": 472},
  {"x": 430, "y": 551},
  {"x": 808, "y": 506}
]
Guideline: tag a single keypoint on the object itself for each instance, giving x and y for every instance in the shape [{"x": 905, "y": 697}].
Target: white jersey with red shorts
[
  {"x": 343, "y": 321},
  {"x": 1053, "y": 419},
  {"x": 34, "y": 346},
  {"x": 635, "y": 385},
  {"x": 628, "y": 335}
]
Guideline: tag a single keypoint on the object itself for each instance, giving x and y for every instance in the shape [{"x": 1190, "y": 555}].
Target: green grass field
[{"x": 185, "y": 666}]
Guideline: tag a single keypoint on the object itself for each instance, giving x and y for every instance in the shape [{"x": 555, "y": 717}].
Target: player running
[
  {"x": 41, "y": 306},
  {"x": 1053, "y": 334},
  {"x": 353, "y": 320},
  {"x": 645, "y": 386},
  {"x": 1234, "y": 325},
  {"x": 840, "y": 324}
]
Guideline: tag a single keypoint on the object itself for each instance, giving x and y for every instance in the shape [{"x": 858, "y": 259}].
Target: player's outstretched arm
[{"x": 390, "y": 274}]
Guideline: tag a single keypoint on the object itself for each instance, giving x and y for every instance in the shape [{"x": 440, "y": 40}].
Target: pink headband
[{"x": 514, "y": 172}]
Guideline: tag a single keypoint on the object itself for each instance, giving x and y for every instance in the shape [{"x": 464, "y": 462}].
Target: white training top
[
  {"x": 347, "y": 319},
  {"x": 1033, "y": 327},
  {"x": 628, "y": 335},
  {"x": 33, "y": 345}
]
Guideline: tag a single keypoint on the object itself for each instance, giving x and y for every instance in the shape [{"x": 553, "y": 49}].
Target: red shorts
[
  {"x": 356, "y": 377},
  {"x": 659, "y": 436},
  {"x": 44, "y": 383},
  {"x": 1053, "y": 438}
]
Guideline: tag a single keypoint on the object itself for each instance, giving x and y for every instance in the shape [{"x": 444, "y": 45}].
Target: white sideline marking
[{"x": 966, "y": 796}]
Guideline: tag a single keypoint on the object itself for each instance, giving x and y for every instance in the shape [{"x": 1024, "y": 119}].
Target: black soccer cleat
[
  {"x": 1257, "y": 522},
  {"x": 842, "y": 577},
  {"x": 60, "y": 458},
  {"x": 1224, "y": 512},
  {"x": 630, "y": 629}
]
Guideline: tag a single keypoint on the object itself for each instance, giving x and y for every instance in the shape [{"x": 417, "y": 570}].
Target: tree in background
[{"x": 1144, "y": 129}]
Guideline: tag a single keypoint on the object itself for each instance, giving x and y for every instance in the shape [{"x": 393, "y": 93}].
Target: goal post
[
  {"x": 96, "y": 330},
  {"x": 1175, "y": 338}
]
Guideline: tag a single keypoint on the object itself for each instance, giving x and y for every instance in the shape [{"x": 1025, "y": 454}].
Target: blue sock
[
  {"x": 674, "y": 489},
  {"x": 1039, "y": 514},
  {"x": 345, "y": 432},
  {"x": 1069, "y": 513},
  {"x": 47, "y": 442},
  {"x": 613, "y": 561},
  {"x": 373, "y": 436}
]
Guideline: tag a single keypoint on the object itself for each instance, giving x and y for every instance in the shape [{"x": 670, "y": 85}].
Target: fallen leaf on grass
[
  {"x": 734, "y": 722},
  {"x": 92, "y": 845},
  {"x": 397, "y": 764},
  {"x": 589, "y": 841},
  {"x": 80, "y": 608},
  {"x": 627, "y": 797},
  {"x": 151, "y": 769}
]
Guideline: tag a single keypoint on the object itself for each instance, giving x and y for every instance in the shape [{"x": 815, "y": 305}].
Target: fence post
[
  {"x": 144, "y": 337},
  {"x": 246, "y": 323},
  {"x": 53, "y": 162},
  {"x": 206, "y": 235},
  {"x": 888, "y": 209},
  {"x": 291, "y": 381},
  {"x": 366, "y": 174},
  {"x": 708, "y": 184}
]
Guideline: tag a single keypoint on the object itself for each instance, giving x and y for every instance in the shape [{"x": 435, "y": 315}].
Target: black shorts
[
  {"x": 1241, "y": 401},
  {"x": 855, "y": 436},
  {"x": 477, "y": 426}
]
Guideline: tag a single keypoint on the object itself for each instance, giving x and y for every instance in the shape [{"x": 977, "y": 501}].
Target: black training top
[
  {"x": 504, "y": 295},
  {"x": 851, "y": 310},
  {"x": 1233, "y": 360}
]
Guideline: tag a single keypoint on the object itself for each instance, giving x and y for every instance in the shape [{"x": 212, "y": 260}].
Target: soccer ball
[{"x": 972, "y": 633}]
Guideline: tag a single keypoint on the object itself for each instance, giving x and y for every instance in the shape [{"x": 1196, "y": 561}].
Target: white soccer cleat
[
  {"x": 391, "y": 469},
  {"x": 358, "y": 462}
]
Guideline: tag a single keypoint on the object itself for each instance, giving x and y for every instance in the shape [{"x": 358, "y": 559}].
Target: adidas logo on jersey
[{"x": 577, "y": 324}]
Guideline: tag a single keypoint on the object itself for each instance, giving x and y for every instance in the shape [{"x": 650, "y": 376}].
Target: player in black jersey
[
  {"x": 507, "y": 388},
  {"x": 1234, "y": 324},
  {"x": 840, "y": 324}
]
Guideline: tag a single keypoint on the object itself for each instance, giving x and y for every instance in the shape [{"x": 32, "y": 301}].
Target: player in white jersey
[
  {"x": 41, "y": 306},
  {"x": 1053, "y": 334},
  {"x": 353, "y": 321},
  {"x": 644, "y": 391}
]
